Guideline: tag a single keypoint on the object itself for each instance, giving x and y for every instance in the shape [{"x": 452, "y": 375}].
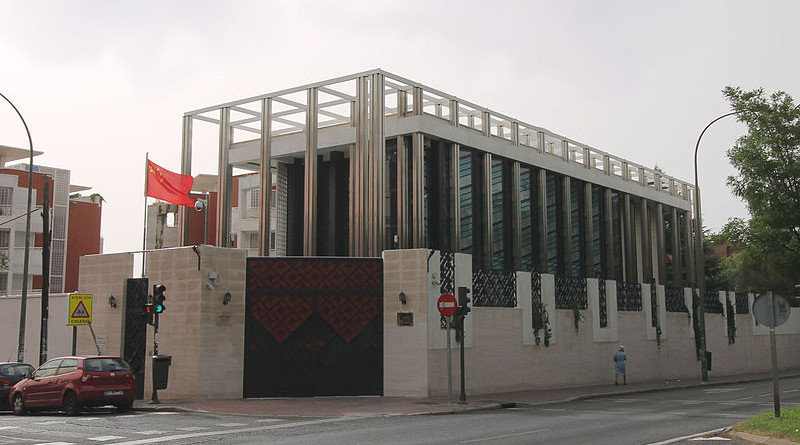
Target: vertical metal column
[
  {"x": 647, "y": 241},
  {"x": 486, "y": 205},
  {"x": 186, "y": 169},
  {"x": 608, "y": 236},
  {"x": 225, "y": 179},
  {"x": 661, "y": 251},
  {"x": 418, "y": 189},
  {"x": 541, "y": 208},
  {"x": 377, "y": 149},
  {"x": 588, "y": 228},
  {"x": 630, "y": 248},
  {"x": 310, "y": 179},
  {"x": 516, "y": 216},
  {"x": 403, "y": 220},
  {"x": 265, "y": 171},
  {"x": 566, "y": 226},
  {"x": 358, "y": 171},
  {"x": 455, "y": 226},
  {"x": 677, "y": 258},
  {"x": 690, "y": 257}
]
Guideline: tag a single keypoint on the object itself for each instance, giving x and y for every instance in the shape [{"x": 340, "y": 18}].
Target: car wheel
[
  {"x": 18, "y": 405},
  {"x": 71, "y": 405},
  {"x": 125, "y": 406}
]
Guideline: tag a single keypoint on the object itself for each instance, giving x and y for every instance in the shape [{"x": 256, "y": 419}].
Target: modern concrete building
[
  {"x": 368, "y": 162},
  {"x": 13, "y": 206}
]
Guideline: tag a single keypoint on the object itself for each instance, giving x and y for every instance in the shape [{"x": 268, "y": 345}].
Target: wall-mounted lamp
[
  {"x": 226, "y": 298},
  {"x": 112, "y": 301},
  {"x": 402, "y": 297}
]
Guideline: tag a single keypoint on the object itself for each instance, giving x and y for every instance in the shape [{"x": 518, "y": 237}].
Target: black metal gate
[
  {"x": 313, "y": 327},
  {"x": 136, "y": 330}
]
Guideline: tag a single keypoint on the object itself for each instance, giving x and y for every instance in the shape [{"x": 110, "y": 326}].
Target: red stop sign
[{"x": 447, "y": 305}]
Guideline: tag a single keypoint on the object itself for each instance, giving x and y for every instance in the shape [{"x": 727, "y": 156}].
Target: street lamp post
[
  {"x": 699, "y": 258},
  {"x": 24, "y": 298}
]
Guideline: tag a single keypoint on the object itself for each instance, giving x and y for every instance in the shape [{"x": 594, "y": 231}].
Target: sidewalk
[{"x": 375, "y": 406}]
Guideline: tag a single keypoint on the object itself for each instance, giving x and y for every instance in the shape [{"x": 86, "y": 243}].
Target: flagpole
[{"x": 144, "y": 231}]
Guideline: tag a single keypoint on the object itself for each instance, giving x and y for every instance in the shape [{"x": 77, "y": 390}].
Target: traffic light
[
  {"x": 463, "y": 300},
  {"x": 158, "y": 298}
]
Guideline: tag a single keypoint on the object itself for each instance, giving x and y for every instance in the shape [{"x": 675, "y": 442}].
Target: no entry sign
[{"x": 447, "y": 304}]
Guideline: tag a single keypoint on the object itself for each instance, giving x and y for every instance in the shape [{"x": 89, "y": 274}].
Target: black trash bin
[
  {"x": 708, "y": 360},
  {"x": 161, "y": 364}
]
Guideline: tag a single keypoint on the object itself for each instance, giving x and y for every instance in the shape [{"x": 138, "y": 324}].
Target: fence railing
[
  {"x": 629, "y": 296},
  {"x": 494, "y": 288},
  {"x": 571, "y": 292}
]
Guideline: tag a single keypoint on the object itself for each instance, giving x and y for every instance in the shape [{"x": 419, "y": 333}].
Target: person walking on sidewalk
[{"x": 619, "y": 366}]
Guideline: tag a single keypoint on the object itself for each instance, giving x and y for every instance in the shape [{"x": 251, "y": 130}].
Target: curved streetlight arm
[{"x": 23, "y": 300}]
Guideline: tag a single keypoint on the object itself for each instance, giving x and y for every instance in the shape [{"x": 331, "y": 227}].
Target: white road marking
[
  {"x": 148, "y": 433},
  {"x": 55, "y": 443},
  {"x": 721, "y": 390},
  {"x": 231, "y": 425},
  {"x": 104, "y": 438},
  {"x": 791, "y": 390},
  {"x": 52, "y": 422},
  {"x": 710, "y": 438},
  {"x": 240, "y": 430},
  {"x": 553, "y": 409},
  {"x": 8, "y": 427},
  {"x": 484, "y": 439},
  {"x": 192, "y": 428},
  {"x": 164, "y": 413},
  {"x": 678, "y": 439},
  {"x": 268, "y": 420}
]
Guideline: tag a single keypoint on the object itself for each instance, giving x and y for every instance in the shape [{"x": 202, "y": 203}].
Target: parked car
[
  {"x": 71, "y": 383},
  {"x": 10, "y": 374}
]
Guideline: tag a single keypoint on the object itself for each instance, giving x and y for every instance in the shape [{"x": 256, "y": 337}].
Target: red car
[{"x": 71, "y": 383}]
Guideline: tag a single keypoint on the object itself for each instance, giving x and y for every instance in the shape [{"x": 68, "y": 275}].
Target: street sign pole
[
  {"x": 773, "y": 350},
  {"x": 154, "y": 397},
  {"x": 449, "y": 321}
]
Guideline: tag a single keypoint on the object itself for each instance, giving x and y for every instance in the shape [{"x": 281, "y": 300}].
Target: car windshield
[
  {"x": 105, "y": 364},
  {"x": 15, "y": 369}
]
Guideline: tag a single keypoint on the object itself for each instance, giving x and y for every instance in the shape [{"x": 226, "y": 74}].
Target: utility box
[{"x": 161, "y": 364}]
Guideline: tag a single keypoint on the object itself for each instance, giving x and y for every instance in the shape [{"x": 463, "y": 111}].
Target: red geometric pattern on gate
[
  {"x": 314, "y": 274},
  {"x": 348, "y": 314},
  {"x": 280, "y": 315}
]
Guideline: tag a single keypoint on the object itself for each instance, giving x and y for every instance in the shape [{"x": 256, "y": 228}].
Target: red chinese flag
[{"x": 168, "y": 186}]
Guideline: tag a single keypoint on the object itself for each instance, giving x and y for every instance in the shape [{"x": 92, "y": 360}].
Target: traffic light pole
[
  {"x": 154, "y": 398},
  {"x": 462, "y": 398}
]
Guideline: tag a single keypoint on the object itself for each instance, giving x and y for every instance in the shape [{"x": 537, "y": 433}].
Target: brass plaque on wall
[{"x": 405, "y": 319}]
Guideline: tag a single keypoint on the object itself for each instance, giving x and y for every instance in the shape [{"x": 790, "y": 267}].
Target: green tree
[{"x": 767, "y": 159}]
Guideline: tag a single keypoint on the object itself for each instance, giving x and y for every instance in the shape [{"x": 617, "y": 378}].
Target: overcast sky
[{"x": 100, "y": 83}]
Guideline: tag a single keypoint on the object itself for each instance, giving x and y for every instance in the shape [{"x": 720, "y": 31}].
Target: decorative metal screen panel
[
  {"x": 603, "y": 302},
  {"x": 629, "y": 296},
  {"x": 536, "y": 285},
  {"x": 711, "y": 302},
  {"x": 494, "y": 288},
  {"x": 742, "y": 303},
  {"x": 653, "y": 303},
  {"x": 674, "y": 299},
  {"x": 571, "y": 292},
  {"x": 134, "y": 348},
  {"x": 447, "y": 272},
  {"x": 313, "y": 327}
]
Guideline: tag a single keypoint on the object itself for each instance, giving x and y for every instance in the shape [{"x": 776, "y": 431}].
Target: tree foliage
[{"x": 767, "y": 160}]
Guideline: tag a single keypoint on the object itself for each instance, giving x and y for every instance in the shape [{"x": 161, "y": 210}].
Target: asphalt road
[{"x": 646, "y": 418}]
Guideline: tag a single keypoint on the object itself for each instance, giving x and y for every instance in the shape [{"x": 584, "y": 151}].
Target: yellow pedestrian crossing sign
[{"x": 80, "y": 309}]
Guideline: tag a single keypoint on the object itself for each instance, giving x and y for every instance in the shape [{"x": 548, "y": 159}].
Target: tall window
[
  {"x": 527, "y": 197},
  {"x": 5, "y": 237},
  {"x": 576, "y": 227},
  {"x": 253, "y": 198},
  {"x": 465, "y": 167},
  {"x": 498, "y": 254},
  {"x": 552, "y": 203},
  {"x": 5, "y": 200},
  {"x": 598, "y": 219}
]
